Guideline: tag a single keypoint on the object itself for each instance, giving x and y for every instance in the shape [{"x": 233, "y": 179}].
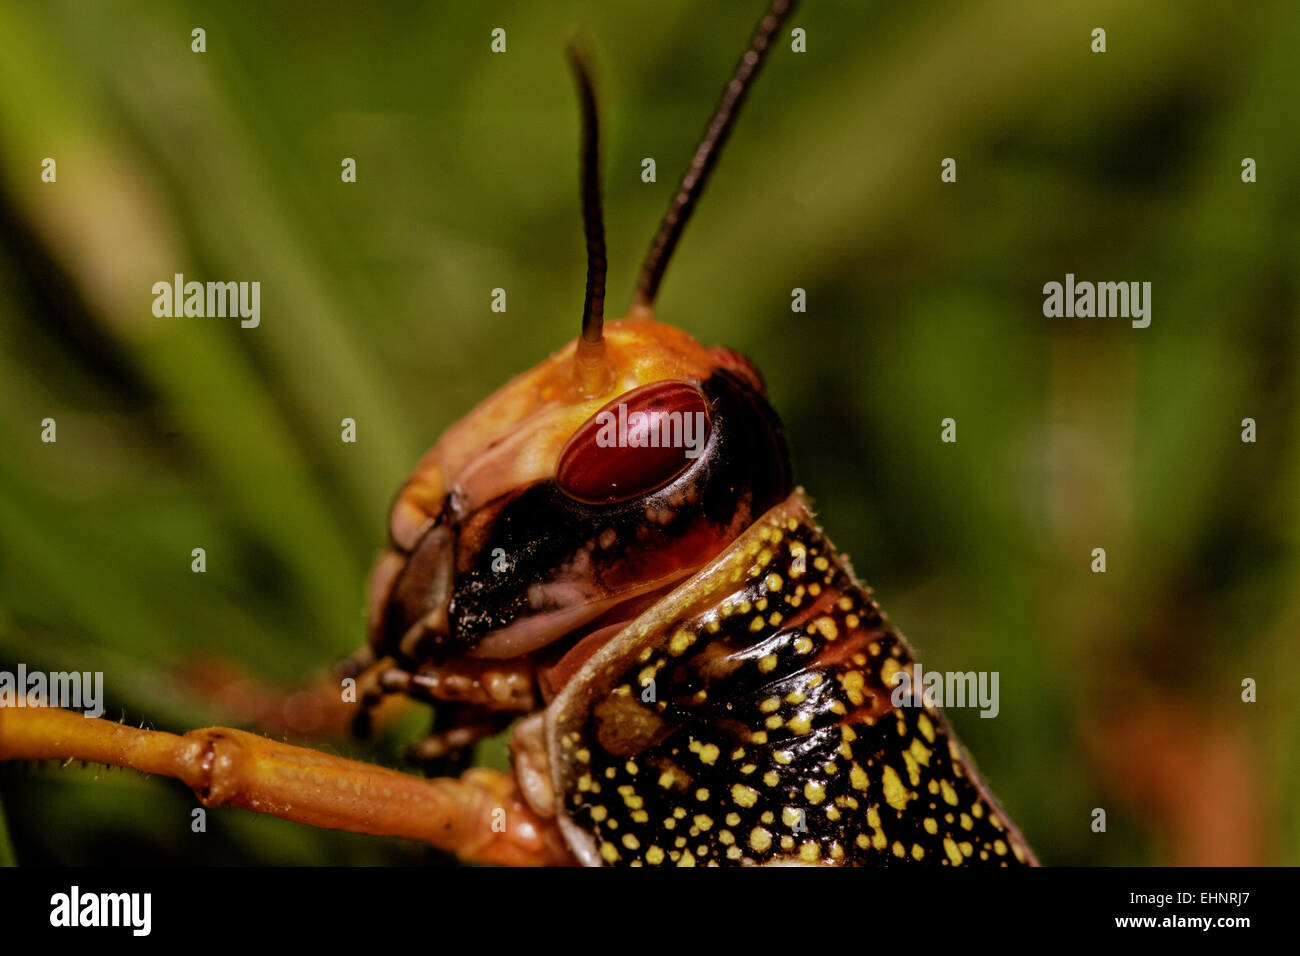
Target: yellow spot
[
  {"x": 949, "y": 794},
  {"x": 771, "y": 779},
  {"x": 758, "y": 737},
  {"x": 895, "y": 795},
  {"x": 583, "y": 755},
  {"x": 733, "y": 819},
  {"x": 768, "y": 662},
  {"x": 770, "y": 705},
  {"x": 799, "y": 724},
  {"x": 814, "y": 791},
  {"x": 966, "y": 821},
  {"x": 999, "y": 848},
  {"x": 918, "y": 852},
  {"x": 687, "y": 859},
  {"x": 826, "y": 627},
  {"x": 927, "y": 728},
  {"x": 888, "y": 670},
  {"x": 725, "y": 837},
  {"x": 743, "y": 795},
  {"x": 760, "y": 840},
  {"x": 709, "y": 753},
  {"x": 703, "y": 821},
  {"x": 900, "y": 851},
  {"x": 950, "y": 848},
  {"x": 808, "y": 852},
  {"x": 803, "y": 645},
  {"x": 680, "y": 642},
  {"x": 931, "y": 825},
  {"x": 701, "y": 794},
  {"x": 609, "y": 852},
  {"x": 666, "y": 779},
  {"x": 599, "y": 814},
  {"x": 631, "y": 842},
  {"x": 853, "y": 682},
  {"x": 773, "y": 582},
  {"x": 858, "y": 778},
  {"x": 654, "y": 856},
  {"x": 913, "y": 771},
  {"x": 966, "y": 848},
  {"x": 782, "y": 757},
  {"x": 920, "y": 751}
]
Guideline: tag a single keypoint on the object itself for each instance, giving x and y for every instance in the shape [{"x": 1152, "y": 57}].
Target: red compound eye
[{"x": 635, "y": 444}]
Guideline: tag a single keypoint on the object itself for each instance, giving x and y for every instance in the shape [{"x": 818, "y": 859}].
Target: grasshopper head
[
  {"x": 553, "y": 505},
  {"x": 582, "y": 490}
]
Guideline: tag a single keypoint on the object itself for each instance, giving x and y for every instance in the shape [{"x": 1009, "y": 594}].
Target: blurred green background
[{"x": 1119, "y": 691}]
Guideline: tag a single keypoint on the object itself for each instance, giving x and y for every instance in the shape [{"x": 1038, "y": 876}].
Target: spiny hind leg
[{"x": 481, "y": 816}]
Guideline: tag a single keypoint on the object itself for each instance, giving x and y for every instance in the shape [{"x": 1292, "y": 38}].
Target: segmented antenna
[
  {"x": 593, "y": 306},
  {"x": 706, "y": 154}
]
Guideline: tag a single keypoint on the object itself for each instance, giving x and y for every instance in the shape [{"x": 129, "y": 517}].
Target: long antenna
[
  {"x": 593, "y": 306},
  {"x": 706, "y": 154}
]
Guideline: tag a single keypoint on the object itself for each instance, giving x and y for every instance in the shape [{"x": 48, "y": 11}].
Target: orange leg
[{"x": 481, "y": 816}]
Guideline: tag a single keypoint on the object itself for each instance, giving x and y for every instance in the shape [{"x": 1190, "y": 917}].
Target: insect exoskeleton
[
  {"x": 715, "y": 684},
  {"x": 611, "y": 544}
]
